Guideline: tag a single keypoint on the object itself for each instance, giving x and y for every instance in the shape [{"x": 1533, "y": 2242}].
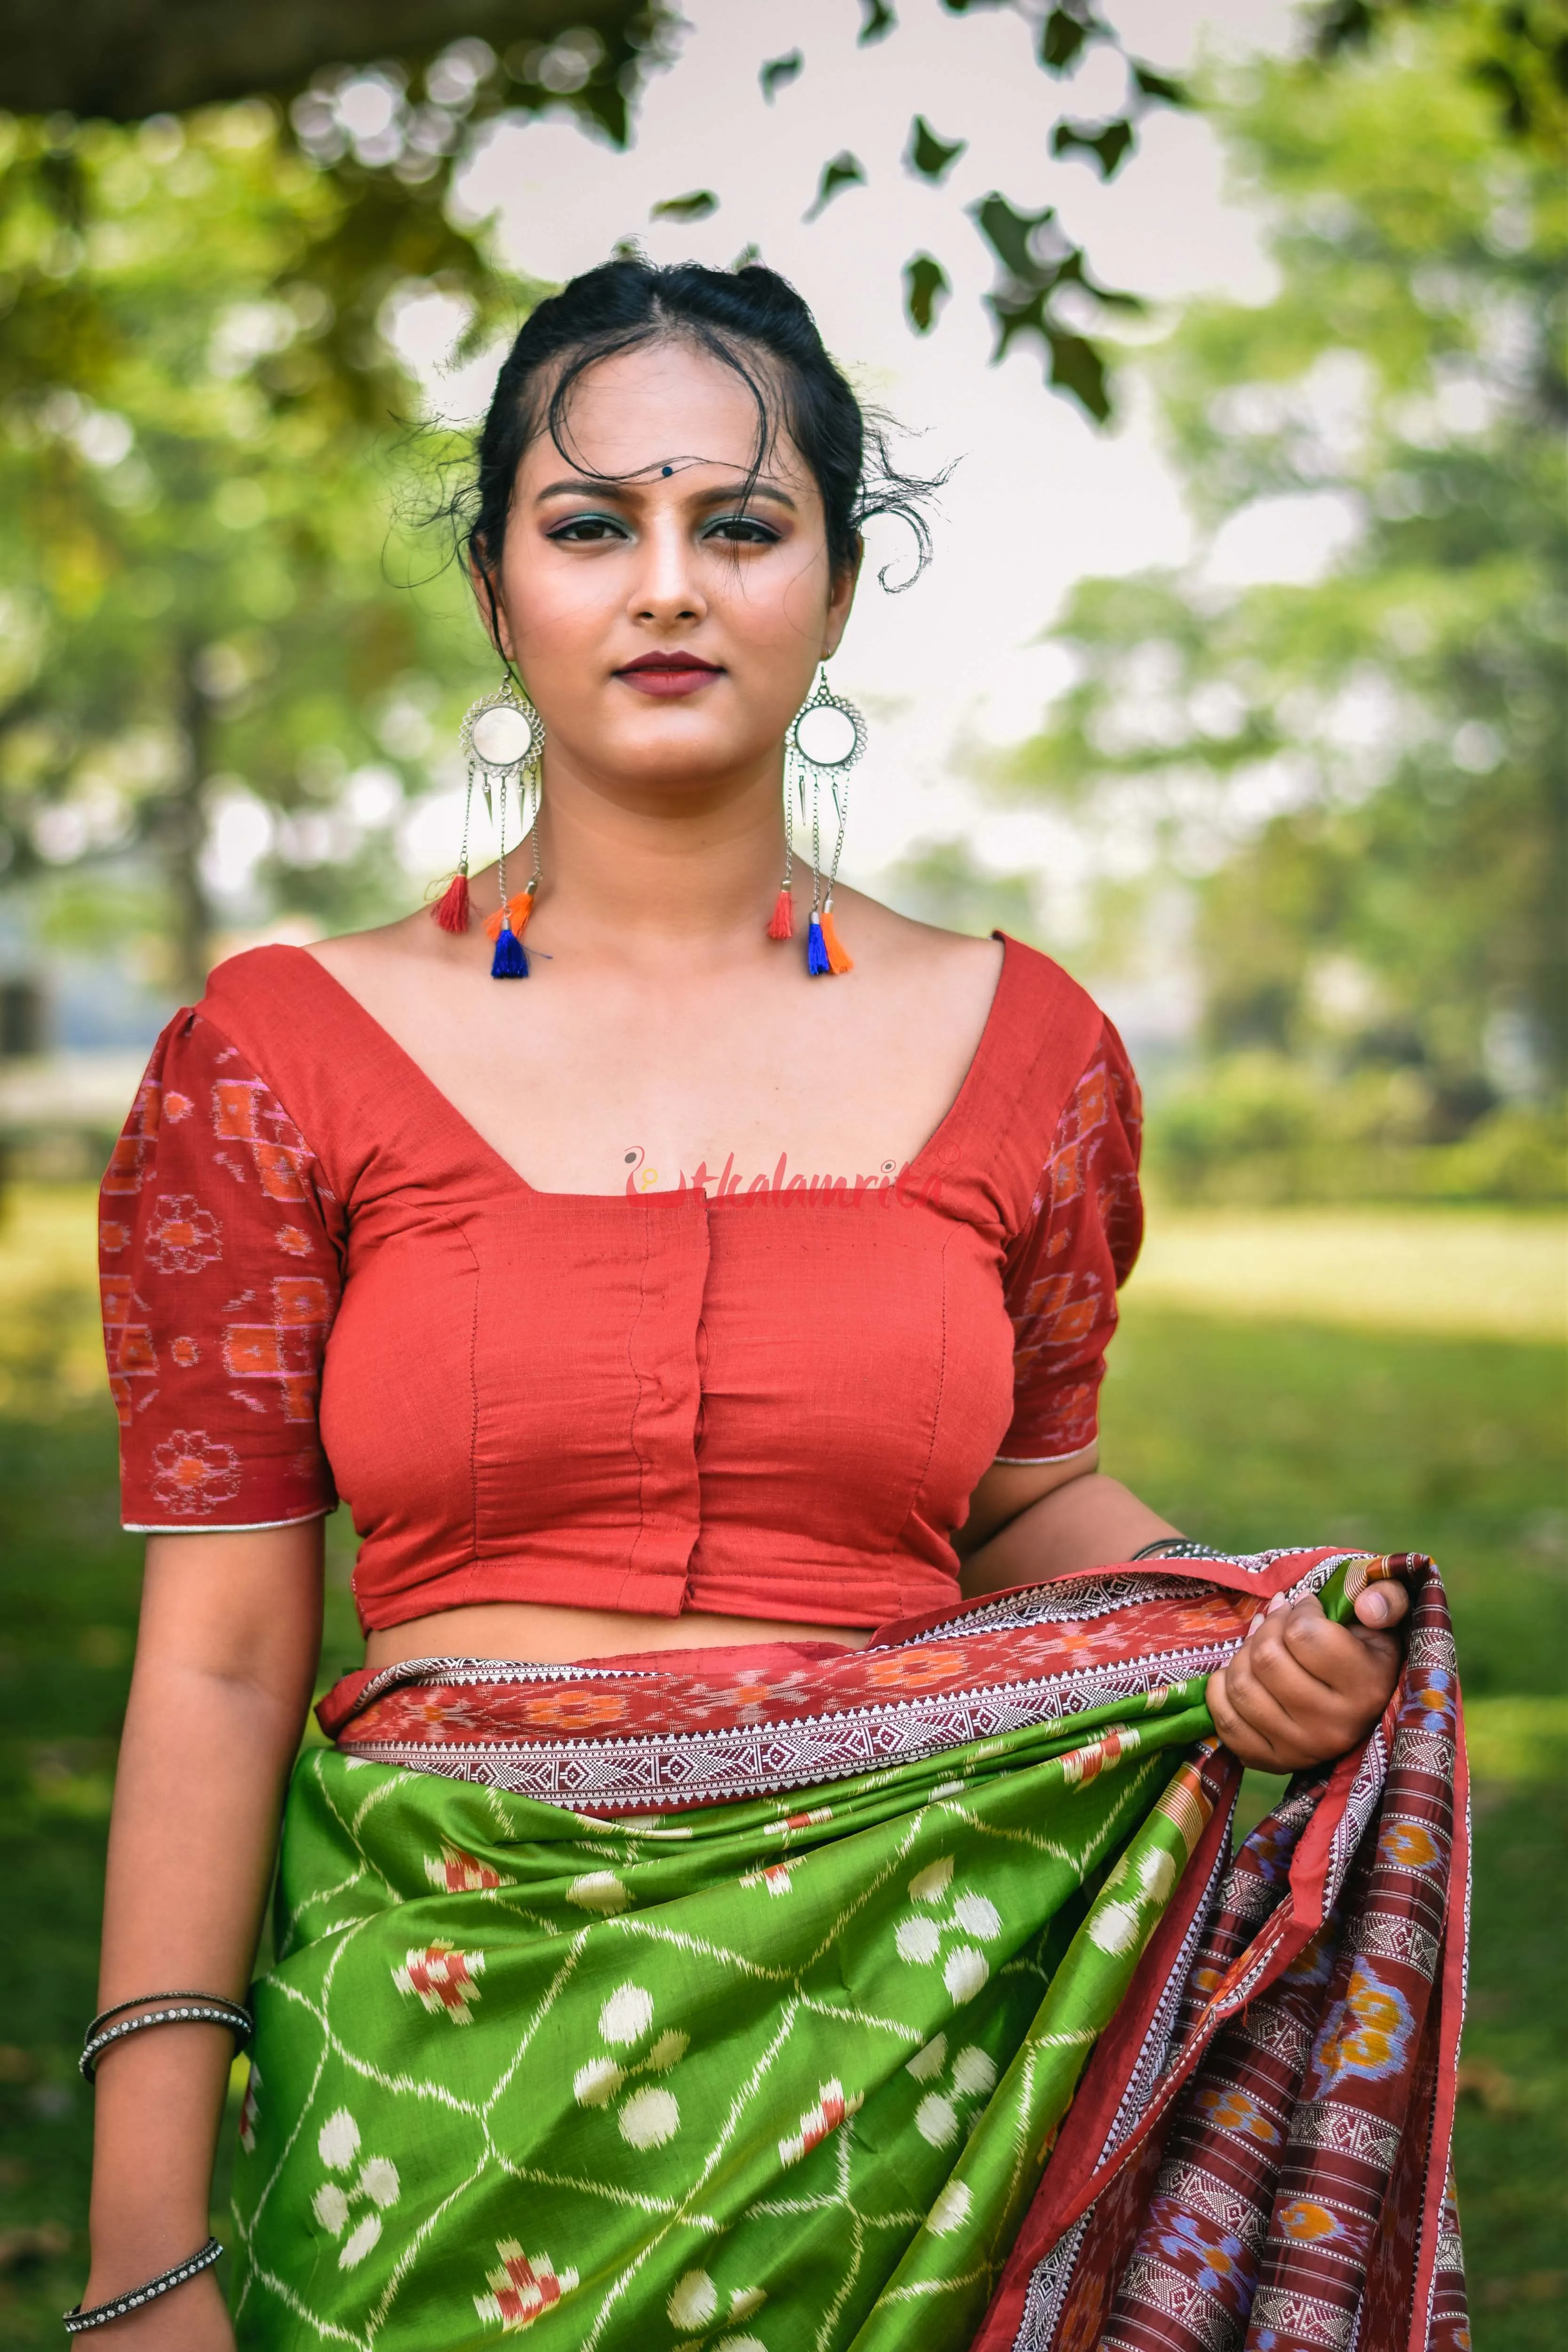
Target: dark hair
[{"x": 741, "y": 318}]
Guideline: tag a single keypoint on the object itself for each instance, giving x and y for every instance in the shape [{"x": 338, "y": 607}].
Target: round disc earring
[
  {"x": 825, "y": 738},
  {"x": 503, "y": 740},
  {"x": 827, "y": 731},
  {"x": 501, "y": 733}
]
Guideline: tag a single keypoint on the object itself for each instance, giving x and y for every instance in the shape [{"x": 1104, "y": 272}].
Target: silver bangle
[
  {"x": 194, "y": 2008},
  {"x": 141, "y": 1999},
  {"x": 78, "y": 2321},
  {"x": 1176, "y": 1547}
]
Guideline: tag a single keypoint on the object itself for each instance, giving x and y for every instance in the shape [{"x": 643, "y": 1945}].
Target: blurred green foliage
[
  {"x": 1363, "y": 776},
  {"x": 205, "y": 586},
  {"x": 1260, "y": 1128}
]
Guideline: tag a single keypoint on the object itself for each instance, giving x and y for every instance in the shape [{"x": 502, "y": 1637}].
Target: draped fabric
[{"x": 908, "y": 1998}]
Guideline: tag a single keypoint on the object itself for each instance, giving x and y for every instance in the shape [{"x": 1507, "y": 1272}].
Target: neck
[{"x": 640, "y": 871}]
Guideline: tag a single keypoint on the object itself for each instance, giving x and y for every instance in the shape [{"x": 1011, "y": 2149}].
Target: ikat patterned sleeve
[
  {"x": 219, "y": 1254},
  {"x": 1064, "y": 1271}
]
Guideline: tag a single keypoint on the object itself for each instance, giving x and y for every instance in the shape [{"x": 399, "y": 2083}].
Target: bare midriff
[{"x": 550, "y": 1636}]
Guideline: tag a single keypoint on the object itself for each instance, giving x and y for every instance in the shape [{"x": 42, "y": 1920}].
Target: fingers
[
  {"x": 1382, "y": 1604},
  {"x": 1301, "y": 1689},
  {"x": 1253, "y": 1726}
]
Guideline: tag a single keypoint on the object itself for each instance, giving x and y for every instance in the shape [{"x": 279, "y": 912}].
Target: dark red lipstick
[{"x": 668, "y": 674}]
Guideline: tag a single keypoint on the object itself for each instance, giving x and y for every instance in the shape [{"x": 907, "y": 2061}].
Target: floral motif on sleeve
[
  {"x": 219, "y": 1241},
  {"x": 1064, "y": 1271}
]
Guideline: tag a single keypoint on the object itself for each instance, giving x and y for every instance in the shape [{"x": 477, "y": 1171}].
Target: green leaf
[
  {"x": 879, "y": 19},
  {"x": 1078, "y": 368},
  {"x": 926, "y": 288},
  {"x": 1108, "y": 143},
  {"x": 845, "y": 171},
  {"x": 1011, "y": 236},
  {"x": 779, "y": 72},
  {"x": 929, "y": 155},
  {"x": 1157, "y": 88},
  {"x": 1067, "y": 32},
  {"x": 695, "y": 208}
]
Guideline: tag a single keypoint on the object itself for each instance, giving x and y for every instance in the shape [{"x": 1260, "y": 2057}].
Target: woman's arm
[
  {"x": 226, "y": 1658},
  {"x": 1300, "y": 1690},
  {"x": 1029, "y": 1522}
]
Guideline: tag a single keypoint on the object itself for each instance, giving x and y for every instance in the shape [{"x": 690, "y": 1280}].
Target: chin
[{"x": 677, "y": 748}]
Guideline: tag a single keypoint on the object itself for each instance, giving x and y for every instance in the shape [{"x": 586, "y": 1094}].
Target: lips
[{"x": 668, "y": 672}]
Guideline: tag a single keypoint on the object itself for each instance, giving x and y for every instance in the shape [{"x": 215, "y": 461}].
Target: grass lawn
[{"x": 1246, "y": 1431}]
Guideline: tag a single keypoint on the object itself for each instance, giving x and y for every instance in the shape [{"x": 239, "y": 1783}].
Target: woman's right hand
[{"x": 189, "y": 2318}]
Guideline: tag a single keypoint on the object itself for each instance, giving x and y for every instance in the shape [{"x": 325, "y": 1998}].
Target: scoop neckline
[{"x": 938, "y": 1146}]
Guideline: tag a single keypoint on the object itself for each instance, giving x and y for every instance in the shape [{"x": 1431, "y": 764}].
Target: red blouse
[{"x": 319, "y": 1279}]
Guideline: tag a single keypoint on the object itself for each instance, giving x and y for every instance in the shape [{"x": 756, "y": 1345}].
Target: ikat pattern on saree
[
  {"x": 616, "y": 1741},
  {"x": 1290, "y": 2192},
  {"x": 797, "y": 2069},
  {"x": 768, "y": 2074}
]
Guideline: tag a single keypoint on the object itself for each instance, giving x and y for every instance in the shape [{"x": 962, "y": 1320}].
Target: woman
[{"x": 684, "y": 1315}]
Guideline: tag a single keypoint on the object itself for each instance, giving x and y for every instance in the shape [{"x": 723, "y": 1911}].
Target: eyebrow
[{"x": 584, "y": 488}]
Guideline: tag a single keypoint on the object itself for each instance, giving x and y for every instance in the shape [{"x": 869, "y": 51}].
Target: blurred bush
[{"x": 1262, "y": 1127}]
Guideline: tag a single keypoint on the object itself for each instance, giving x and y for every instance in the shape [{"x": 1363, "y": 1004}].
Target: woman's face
[{"x": 667, "y": 625}]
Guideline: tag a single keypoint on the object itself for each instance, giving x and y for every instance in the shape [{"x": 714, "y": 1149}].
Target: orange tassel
[
  {"x": 781, "y": 926},
  {"x": 518, "y": 910},
  {"x": 837, "y": 960},
  {"x": 451, "y": 908}
]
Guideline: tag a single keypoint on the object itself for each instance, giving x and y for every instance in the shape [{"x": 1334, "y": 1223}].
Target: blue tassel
[
  {"x": 816, "y": 958},
  {"x": 510, "y": 961}
]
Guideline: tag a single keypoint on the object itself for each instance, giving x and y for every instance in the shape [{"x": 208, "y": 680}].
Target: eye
[
  {"x": 588, "y": 529},
  {"x": 741, "y": 531}
]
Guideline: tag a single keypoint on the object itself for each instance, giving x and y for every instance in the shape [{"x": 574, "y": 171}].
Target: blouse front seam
[
  {"x": 936, "y": 1410},
  {"x": 473, "y": 1406},
  {"x": 632, "y": 1367}
]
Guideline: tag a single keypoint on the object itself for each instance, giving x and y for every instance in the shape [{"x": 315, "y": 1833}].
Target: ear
[
  {"x": 492, "y": 611},
  {"x": 840, "y": 600}
]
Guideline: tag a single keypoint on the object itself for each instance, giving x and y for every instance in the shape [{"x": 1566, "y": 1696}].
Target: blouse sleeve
[
  {"x": 1065, "y": 1269},
  {"x": 220, "y": 1249}
]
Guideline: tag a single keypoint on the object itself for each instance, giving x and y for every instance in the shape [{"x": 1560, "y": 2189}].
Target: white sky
[{"x": 1039, "y": 497}]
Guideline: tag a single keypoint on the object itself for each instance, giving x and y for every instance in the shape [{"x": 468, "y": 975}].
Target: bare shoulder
[
  {"x": 356, "y": 954},
  {"x": 919, "y": 956}
]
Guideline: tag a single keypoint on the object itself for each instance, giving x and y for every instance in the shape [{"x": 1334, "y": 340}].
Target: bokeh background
[{"x": 1238, "y": 682}]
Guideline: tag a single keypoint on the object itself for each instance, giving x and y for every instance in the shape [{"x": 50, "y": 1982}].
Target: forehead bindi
[{"x": 666, "y": 406}]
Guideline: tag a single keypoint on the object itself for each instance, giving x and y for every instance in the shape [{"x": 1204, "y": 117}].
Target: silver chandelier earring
[
  {"x": 823, "y": 741},
  {"x": 503, "y": 740}
]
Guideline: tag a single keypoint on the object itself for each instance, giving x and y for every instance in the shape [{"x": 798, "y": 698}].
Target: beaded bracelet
[
  {"x": 78, "y": 2321},
  {"x": 195, "y": 2009},
  {"x": 1176, "y": 1548},
  {"x": 139, "y": 1999}
]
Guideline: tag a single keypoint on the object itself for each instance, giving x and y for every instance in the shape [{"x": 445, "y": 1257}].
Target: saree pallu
[{"x": 908, "y": 1998}]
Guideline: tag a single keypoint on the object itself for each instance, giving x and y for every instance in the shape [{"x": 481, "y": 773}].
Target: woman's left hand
[{"x": 1301, "y": 1689}]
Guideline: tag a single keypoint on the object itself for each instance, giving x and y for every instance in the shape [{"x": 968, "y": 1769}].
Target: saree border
[{"x": 682, "y": 1768}]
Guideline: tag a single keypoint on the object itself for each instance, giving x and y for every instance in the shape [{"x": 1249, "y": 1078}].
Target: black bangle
[
  {"x": 1176, "y": 1547},
  {"x": 78, "y": 2321},
  {"x": 140, "y": 2000},
  {"x": 194, "y": 2008}
]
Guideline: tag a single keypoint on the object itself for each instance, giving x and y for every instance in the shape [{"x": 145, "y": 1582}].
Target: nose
[{"x": 668, "y": 591}]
